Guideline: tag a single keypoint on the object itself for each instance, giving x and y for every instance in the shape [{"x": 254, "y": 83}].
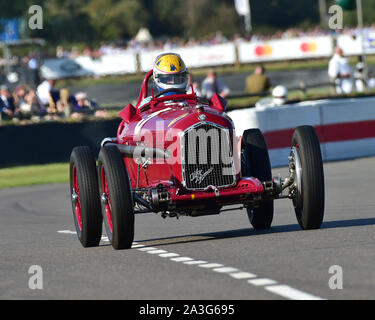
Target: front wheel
[
  {"x": 307, "y": 168},
  {"x": 255, "y": 162},
  {"x": 84, "y": 196},
  {"x": 115, "y": 193}
]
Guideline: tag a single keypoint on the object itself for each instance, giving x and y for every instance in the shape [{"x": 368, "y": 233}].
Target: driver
[{"x": 170, "y": 72}]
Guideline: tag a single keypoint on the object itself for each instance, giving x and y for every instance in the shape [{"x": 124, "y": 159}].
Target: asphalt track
[{"x": 283, "y": 263}]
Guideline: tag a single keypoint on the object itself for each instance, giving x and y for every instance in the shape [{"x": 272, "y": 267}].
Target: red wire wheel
[
  {"x": 107, "y": 203},
  {"x": 116, "y": 198},
  {"x": 84, "y": 197},
  {"x": 75, "y": 194}
]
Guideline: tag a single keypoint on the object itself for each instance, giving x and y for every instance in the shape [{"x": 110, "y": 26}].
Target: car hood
[{"x": 169, "y": 120}]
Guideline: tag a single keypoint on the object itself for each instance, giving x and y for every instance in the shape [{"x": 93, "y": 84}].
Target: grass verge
[{"x": 34, "y": 175}]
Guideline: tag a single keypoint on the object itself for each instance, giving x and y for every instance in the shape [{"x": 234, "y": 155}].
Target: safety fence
[
  {"x": 345, "y": 127},
  {"x": 231, "y": 53},
  {"x": 51, "y": 141}
]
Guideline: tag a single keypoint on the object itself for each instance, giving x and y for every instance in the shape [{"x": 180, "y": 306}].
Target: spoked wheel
[
  {"x": 306, "y": 167},
  {"x": 84, "y": 194},
  {"x": 255, "y": 162},
  {"x": 116, "y": 198},
  {"x": 106, "y": 201}
]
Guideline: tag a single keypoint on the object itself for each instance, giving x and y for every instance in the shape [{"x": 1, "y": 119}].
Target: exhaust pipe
[{"x": 137, "y": 151}]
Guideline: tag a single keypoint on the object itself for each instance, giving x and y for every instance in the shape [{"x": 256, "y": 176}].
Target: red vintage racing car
[{"x": 178, "y": 155}]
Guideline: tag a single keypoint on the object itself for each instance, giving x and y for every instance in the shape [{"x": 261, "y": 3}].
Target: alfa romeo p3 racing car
[{"x": 178, "y": 155}]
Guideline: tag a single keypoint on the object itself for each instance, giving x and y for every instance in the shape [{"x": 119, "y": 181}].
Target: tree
[
  {"x": 93, "y": 21},
  {"x": 65, "y": 21},
  {"x": 281, "y": 14},
  {"x": 114, "y": 19},
  {"x": 14, "y": 9}
]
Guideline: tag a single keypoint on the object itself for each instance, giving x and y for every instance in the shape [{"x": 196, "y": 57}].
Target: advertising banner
[{"x": 288, "y": 49}]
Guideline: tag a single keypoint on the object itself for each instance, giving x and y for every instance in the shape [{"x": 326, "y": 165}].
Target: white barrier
[
  {"x": 346, "y": 127},
  {"x": 288, "y": 49},
  {"x": 352, "y": 46},
  {"x": 208, "y": 56},
  {"x": 62, "y": 68},
  {"x": 119, "y": 63}
]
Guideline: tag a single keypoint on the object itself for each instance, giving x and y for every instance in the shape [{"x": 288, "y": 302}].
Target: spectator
[
  {"x": 359, "y": 76},
  {"x": 280, "y": 95},
  {"x": 279, "y": 98},
  {"x": 83, "y": 106},
  {"x": 27, "y": 104},
  {"x": 20, "y": 99},
  {"x": 195, "y": 84},
  {"x": 33, "y": 66},
  {"x": 212, "y": 85},
  {"x": 257, "y": 82},
  {"x": 63, "y": 102},
  {"x": 340, "y": 72},
  {"x": 44, "y": 91},
  {"x": 7, "y": 105},
  {"x": 56, "y": 102}
]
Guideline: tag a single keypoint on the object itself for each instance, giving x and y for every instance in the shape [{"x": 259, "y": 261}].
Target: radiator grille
[{"x": 207, "y": 157}]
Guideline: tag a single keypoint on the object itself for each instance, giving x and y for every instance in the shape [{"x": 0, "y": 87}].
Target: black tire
[
  {"x": 309, "y": 199},
  {"x": 120, "y": 224},
  {"x": 255, "y": 162},
  {"x": 86, "y": 210}
]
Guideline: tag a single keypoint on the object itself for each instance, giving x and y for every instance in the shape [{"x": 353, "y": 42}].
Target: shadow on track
[{"x": 251, "y": 232}]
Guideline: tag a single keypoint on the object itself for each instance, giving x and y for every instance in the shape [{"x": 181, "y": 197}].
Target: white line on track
[
  {"x": 291, "y": 293},
  {"x": 67, "y": 232},
  {"x": 195, "y": 262},
  {"x": 242, "y": 275},
  {"x": 262, "y": 282},
  {"x": 182, "y": 259},
  {"x": 225, "y": 270},
  {"x": 168, "y": 255},
  {"x": 136, "y": 246},
  {"x": 157, "y": 251},
  {"x": 270, "y": 285},
  {"x": 147, "y": 249},
  {"x": 211, "y": 265}
]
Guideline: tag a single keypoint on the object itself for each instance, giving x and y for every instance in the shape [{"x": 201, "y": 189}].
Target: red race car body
[
  {"x": 177, "y": 154},
  {"x": 161, "y": 124}
]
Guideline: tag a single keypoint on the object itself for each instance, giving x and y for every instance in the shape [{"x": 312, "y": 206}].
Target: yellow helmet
[{"x": 170, "y": 72}]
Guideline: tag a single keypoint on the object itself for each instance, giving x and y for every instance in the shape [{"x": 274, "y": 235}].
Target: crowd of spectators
[
  {"x": 169, "y": 44},
  {"x": 45, "y": 103}
]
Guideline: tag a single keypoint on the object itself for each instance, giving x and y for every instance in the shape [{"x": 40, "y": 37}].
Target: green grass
[{"x": 34, "y": 175}]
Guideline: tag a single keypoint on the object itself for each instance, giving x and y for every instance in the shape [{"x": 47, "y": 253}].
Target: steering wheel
[{"x": 181, "y": 91}]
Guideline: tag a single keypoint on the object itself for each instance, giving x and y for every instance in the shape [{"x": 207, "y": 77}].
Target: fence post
[
  {"x": 237, "y": 63},
  {"x": 138, "y": 59}
]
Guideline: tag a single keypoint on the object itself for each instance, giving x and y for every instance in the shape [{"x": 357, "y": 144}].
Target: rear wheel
[
  {"x": 85, "y": 199},
  {"x": 308, "y": 189},
  {"x": 116, "y": 198},
  {"x": 255, "y": 162}
]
